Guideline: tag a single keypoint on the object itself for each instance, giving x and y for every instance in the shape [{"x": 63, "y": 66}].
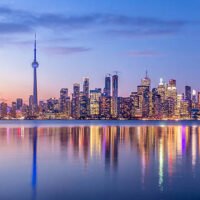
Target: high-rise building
[
  {"x": 156, "y": 104},
  {"x": 13, "y": 110},
  {"x": 84, "y": 106},
  {"x": 31, "y": 103},
  {"x": 35, "y": 65},
  {"x": 135, "y": 111},
  {"x": 42, "y": 106},
  {"x": 146, "y": 81},
  {"x": 185, "y": 109},
  {"x": 171, "y": 98},
  {"x": 161, "y": 90},
  {"x": 75, "y": 108},
  {"x": 143, "y": 93},
  {"x": 107, "y": 88},
  {"x": 114, "y": 96},
  {"x": 19, "y": 103},
  {"x": 105, "y": 107},
  {"x": 188, "y": 97},
  {"x": 125, "y": 104},
  {"x": 194, "y": 99},
  {"x": 86, "y": 87},
  {"x": 179, "y": 101},
  {"x": 63, "y": 100},
  {"x": 95, "y": 102},
  {"x": 3, "y": 107},
  {"x": 53, "y": 105},
  {"x": 188, "y": 93},
  {"x": 198, "y": 99}
]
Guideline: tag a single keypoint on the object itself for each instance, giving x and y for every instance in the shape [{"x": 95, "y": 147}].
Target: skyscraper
[
  {"x": 76, "y": 101},
  {"x": 3, "y": 109},
  {"x": 188, "y": 93},
  {"x": 146, "y": 81},
  {"x": 171, "y": 98},
  {"x": 107, "y": 88},
  {"x": 143, "y": 93},
  {"x": 95, "y": 102},
  {"x": 63, "y": 100},
  {"x": 13, "y": 110},
  {"x": 114, "y": 95},
  {"x": 86, "y": 87},
  {"x": 105, "y": 107},
  {"x": 156, "y": 104},
  {"x": 84, "y": 106},
  {"x": 19, "y": 103},
  {"x": 198, "y": 100},
  {"x": 35, "y": 65}
]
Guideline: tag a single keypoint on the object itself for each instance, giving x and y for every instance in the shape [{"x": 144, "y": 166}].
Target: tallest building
[{"x": 35, "y": 65}]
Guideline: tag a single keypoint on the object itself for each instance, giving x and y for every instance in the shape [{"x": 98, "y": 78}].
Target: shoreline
[{"x": 100, "y": 123}]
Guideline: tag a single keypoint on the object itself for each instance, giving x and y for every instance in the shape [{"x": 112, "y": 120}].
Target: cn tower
[{"x": 35, "y": 65}]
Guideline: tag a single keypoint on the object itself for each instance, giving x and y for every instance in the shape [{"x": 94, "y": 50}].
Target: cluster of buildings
[{"x": 161, "y": 102}]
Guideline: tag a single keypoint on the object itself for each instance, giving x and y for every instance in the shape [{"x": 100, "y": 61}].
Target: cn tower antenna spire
[{"x": 35, "y": 48}]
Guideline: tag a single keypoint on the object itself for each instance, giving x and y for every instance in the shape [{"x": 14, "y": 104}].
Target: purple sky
[{"x": 79, "y": 38}]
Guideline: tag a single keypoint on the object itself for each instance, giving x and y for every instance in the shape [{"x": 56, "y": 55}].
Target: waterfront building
[
  {"x": 63, "y": 100},
  {"x": 53, "y": 105},
  {"x": 171, "y": 98},
  {"x": 146, "y": 81},
  {"x": 13, "y": 110},
  {"x": 114, "y": 105},
  {"x": 95, "y": 102},
  {"x": 162, "y": 90},
  {"x": 185, "y": 109},
  {"x": 198, "y": 99},
  {"x": 19, "y": 103},
  {"x": 194, "y": 99},
  {"x": 31, "y": 103},
  {"x": 156, "y": 104},
  {"x": 125, "y": 107},
  {"x": 75, "y": 104},
  {"x": 42, "y": 106},
  {"x": 84, "y": 106},
  {"x": 107, "y": 88},
  {"x": 86, "y": 87},
  {"x": 143, "y": 93},
  {"x": 180, "y": 98},
  {"x": 135, "y": 111},
  {"x": 105, "y": 107},
  {"x": 3, "y": 109},
  {"x": 188, "y": 93}
]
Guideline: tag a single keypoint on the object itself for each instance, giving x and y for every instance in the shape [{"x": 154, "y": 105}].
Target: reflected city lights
[{"x": 161, "y": 147}]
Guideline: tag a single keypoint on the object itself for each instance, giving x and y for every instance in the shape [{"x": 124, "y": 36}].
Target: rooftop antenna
[
  {"x": 116, "y": 72},
  {"x": 146, "y": 74},
  {"x": 108, "y": 74}
]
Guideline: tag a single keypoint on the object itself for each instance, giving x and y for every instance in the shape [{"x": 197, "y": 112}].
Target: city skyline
[
  {"x": 94, "y": 39},
  {"x": 81, "y": 84},
  {"x": 153, "y": 103}
]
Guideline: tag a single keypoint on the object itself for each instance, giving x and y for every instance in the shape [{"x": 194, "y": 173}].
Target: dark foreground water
[{"x": 98, "y": 160}]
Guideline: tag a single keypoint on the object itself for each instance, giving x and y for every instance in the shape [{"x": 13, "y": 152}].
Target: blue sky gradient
[{"x": 78, "y": 38}]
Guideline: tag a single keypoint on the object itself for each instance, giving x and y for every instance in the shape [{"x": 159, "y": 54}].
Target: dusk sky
[{"x": 90, "y": 38}]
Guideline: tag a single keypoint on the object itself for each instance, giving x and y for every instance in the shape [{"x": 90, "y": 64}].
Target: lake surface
[{"x": 96, "y": 160}]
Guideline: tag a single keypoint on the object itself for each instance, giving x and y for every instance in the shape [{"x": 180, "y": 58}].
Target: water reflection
[
  {"x": 151, "y": 155},
  {"x": 34, "y": 167}
]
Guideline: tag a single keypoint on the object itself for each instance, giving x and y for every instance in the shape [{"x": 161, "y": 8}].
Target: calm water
[{"x": 99, "y": 160}]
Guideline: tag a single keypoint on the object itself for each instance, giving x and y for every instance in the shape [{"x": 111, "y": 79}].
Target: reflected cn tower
[{"x": 35, "y": 65}]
